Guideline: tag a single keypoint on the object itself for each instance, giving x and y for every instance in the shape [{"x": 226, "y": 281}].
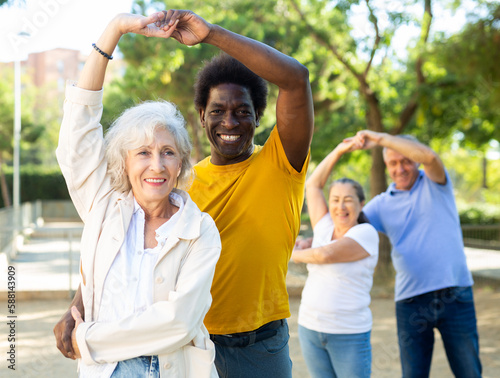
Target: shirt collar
[{"x": 188, "y": 224}]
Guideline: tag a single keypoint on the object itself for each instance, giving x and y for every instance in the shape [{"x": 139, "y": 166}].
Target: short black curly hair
[{"x": 224, "y": 69}]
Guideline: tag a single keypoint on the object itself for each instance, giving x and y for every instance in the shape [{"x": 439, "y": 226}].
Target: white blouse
[
  {"x": 128, "y": 287},
  {"x": 336, "y": 297}
]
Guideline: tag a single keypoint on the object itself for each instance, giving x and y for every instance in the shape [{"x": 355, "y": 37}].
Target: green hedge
[
  {"x": 48, "y": 183},
  {"x": 479, "y": 213},
  {"x": 37, "y": 183}
]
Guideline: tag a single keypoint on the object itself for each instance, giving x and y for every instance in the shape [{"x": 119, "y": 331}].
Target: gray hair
[
  {"x": 403, "y": 136},
  {"x": 360, "y": 193},
  {"x": 137, "y": 125}
]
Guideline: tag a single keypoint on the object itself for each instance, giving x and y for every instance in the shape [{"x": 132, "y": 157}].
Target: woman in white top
[
  {"x": 148, "y": 254},
  {"x": 334, "y": 317}
]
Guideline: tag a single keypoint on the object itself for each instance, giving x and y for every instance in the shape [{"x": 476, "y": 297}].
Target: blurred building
[
  {"x": 54, "y": 67},
  {"x": 43, "y": 80}
]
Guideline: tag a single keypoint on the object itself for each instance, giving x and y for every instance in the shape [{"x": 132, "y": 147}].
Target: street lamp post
[
  {"x": 17, "y": 135},
  {"x": 17, "y": 142}
]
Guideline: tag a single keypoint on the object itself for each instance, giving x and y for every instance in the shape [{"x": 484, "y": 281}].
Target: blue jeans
[
  {"x": 336, "y": 355},
  {"x": 269, "y": 358},
  {"x": 451, "y": 311},
  {"x": 144, "y": 367}
]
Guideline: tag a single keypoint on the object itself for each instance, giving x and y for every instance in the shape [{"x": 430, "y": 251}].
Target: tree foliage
[
  {"x": 12, "y": 2},
  {"x": 31, "y": 129},
  {"x": 467, "y": 73},
  {"x": 357, "y": 80},
  {"x": 165, "y": 69},
  {"x": 388, "y": 97}
]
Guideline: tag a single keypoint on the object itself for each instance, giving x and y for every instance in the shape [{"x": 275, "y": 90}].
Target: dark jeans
[
  {"x": 451, "y": 311},
  {"x": 268, "y": 358}
]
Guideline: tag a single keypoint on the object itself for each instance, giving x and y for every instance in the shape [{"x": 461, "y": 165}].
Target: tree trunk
[
  {"x": 378, "y": 182},
  {"x": 3, "y": 185},
  {"x": 384, "y": 271}
]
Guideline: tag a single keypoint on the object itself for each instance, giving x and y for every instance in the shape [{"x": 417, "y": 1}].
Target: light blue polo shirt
[{"x": 423, "y": 226}]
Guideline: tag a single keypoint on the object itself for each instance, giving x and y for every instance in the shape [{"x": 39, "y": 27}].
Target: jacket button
[
  {"x": 167, "y": 366},
  {"x": 159, "y": 280}
]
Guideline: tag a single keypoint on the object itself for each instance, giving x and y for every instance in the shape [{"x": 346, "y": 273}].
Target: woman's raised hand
[
  {"x": 347, "y": 145},
  {"x": 185, "y": 26},
  {"x": 144, "y": 25},
  {"x": 366, "y": 139}
]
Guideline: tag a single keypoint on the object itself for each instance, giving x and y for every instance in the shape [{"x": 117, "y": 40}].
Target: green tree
[
  {"x": 356, "y": 82},
  {"x": 447, "y": 84},
  {"x": 165, "y": 69},
  {"x": 468, "y": 76},
  {"x": 388, "y": 98},
  {"x": 6, "y": 131},
  {"x": 12, "y": 2},
  {"x": 30, "y": 131},
  {"x": 461, "y": 108}
]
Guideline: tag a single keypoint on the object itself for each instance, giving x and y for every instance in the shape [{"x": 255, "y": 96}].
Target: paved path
[
  {"x": 483, "y": 263},
  {"x": 38, "y": 357},
  {"x": 43, "y": 267},
  {"x": 43, "y": 290}
]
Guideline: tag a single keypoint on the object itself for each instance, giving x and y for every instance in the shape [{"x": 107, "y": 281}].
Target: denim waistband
[{"x": 243, "y": 339}]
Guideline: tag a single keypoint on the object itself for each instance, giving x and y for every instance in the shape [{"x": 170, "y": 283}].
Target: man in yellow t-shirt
[{"x": 254, "y": 194}]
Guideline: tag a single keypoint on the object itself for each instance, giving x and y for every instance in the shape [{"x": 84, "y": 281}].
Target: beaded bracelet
[{"x": 102, "y": 52}]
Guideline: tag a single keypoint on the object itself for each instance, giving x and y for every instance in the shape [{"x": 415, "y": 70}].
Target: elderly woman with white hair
[{"x": 148, "y": 254}]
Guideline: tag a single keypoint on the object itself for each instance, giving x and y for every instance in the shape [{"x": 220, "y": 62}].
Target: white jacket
[{"x": 172, "y": 327}]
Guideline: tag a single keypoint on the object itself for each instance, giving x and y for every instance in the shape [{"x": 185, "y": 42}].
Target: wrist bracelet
[{"x": 101, "y": 52}]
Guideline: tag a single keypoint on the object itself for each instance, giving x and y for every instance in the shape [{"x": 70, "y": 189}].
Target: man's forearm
[{"x": 265, "y": 61}]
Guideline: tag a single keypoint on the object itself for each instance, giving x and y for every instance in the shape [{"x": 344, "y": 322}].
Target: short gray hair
[
  {"x": 403, "y": 136},
  {"x": 137, "y": 125}
]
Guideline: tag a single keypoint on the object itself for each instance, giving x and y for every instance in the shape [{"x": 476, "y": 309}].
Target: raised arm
[
  {"x": 413, "y": 150},
  {"x": 316, "y": 202},
  {"x": 80, "y": 152},
  {"x": 294, "y": 109},
  {"x": 78, "y": 143},
  {"x": 92, "y": 77}
]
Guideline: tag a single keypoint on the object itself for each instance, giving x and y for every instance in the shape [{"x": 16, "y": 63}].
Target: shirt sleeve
[
  {"x": 366, "y": 236},
  {"x": 80, "y": 152},
  {"x": 274, "y": 147},
  {"x": 323, "y": 231},
  {"x": 371, "y": 210}
]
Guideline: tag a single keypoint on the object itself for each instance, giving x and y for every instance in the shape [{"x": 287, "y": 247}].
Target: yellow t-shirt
[{"x": 256, "y": 205}]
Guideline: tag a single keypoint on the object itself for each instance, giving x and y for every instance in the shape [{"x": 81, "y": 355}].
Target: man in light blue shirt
[{"x": 433, "y": 284}]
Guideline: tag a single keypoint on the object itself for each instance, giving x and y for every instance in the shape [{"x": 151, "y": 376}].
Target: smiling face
[
  {"x": 402, "y": 170},
  {"x": 152, "y": 169},
  {"x": 230, "y": 121},
  {"x": 344, "y": 206}
]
